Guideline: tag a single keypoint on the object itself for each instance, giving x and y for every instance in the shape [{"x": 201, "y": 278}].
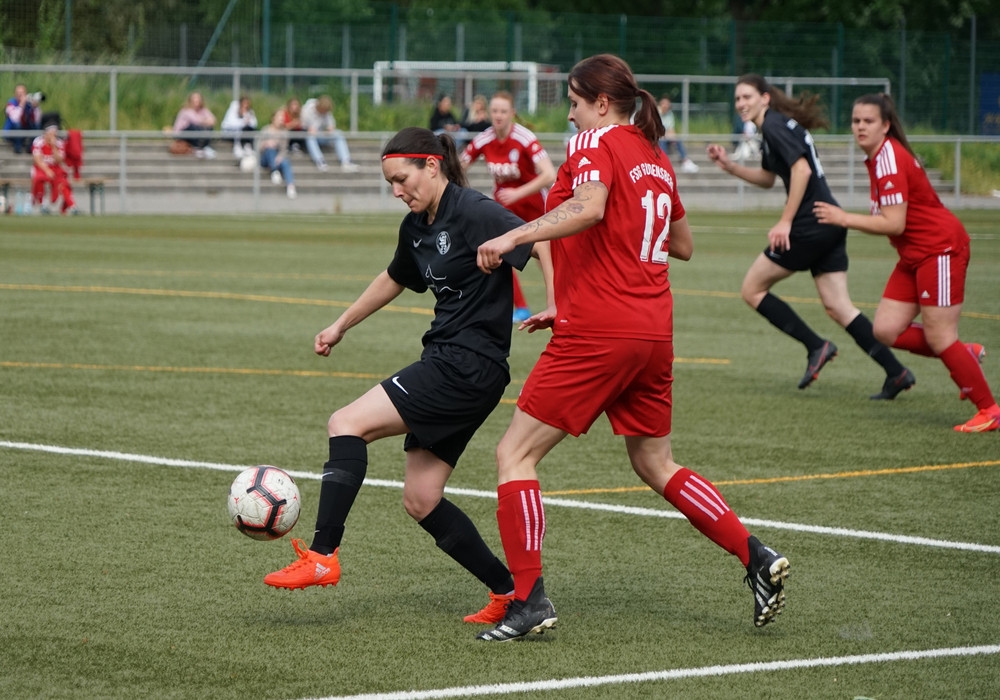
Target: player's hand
[
  {"x": 718, "y": 155},
  {"x": 827, "y": 213},
  {"x": 540, "y": 321},
  {"x": 488, "y": 256},
  {"x": 507, "y": 196},
  {"x": 326, "y": 339},
  {"x": 780, "y": 236}
]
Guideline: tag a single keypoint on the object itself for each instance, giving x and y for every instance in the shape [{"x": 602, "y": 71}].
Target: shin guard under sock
[
  {"x": 788, "y": 322},
  {"x": 342, "y": 479},
  {"x": 522, "y": 528},
  {"x": 967, "y": 374},
  {"x": 861, "y": 330},
  {"x": 913, "y": 340},
  {"x": 705, "y": 508},
  {"x": 456, "y": 535}
]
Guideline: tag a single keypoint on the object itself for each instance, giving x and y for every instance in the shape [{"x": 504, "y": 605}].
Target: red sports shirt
[
  {"x": 611, "y": 279},
  {"x": 511, "y": 163},
  {"x": 48, "y": 153},
  {"x": 931, "y": 229}
]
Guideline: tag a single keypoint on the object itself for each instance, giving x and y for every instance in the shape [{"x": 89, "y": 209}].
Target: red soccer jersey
[
  {"x": 931, "y": 229},
  {"x": 511, "y": 163},
  {"x": 48, "y": 153},
  {"x": 611, "y": 279}
]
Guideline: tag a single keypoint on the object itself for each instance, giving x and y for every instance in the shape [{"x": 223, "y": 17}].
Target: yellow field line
[
  {"x": 802, "y": 477},
  {"x": 189, "y": 370},
  {"x": 201, "y": 295},
  {"x": 10, "y": 364},
  {"x": 572, "y": 492},
  {"x": 93, "y": 289}
]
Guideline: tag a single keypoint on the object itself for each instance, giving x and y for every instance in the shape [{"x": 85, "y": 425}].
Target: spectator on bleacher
[
  {"x": 274, "y": 153},
  {"x": 48, "y": 153},
  {"x": 240, "y": 117},
  {"x": 291, "y": 117},
  {"x": 21, "y": 114},
  {"x": 321, "y": 129},
  {"x": 443, "y": 121},
  {"x": 195, "y": 116},
  {"x": 477, "y": 117},
  {"x": 670, "y": 138}
]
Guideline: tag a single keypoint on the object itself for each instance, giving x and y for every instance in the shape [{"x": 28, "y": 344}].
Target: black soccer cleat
[
  {"x": 894, "y": 386},
  {"x": 766, "y": 576},
  {"x": 524, "y": 617},
  {"x": 817, "y": 359}
]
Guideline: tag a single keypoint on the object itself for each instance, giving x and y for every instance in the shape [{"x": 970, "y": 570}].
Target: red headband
[{"x": 421, "y": 156}]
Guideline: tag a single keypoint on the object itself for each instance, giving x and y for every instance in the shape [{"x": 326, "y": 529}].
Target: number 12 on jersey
[{"x": 657, "y": 216}]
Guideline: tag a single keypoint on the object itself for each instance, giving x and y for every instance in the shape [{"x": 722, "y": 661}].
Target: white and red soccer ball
[{"x": 264, "y": 502}]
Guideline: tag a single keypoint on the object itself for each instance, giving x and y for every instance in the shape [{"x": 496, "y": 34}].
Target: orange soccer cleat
[
  {"x": 493, "y": 612},
  {"x": 986, "y": 420},
  {"x": 311, "y": 569}
]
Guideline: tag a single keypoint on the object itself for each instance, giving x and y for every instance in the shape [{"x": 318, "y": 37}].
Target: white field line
[
  {"x": 673, "y": 674},
  {"x": 552, "y": 502},
  {"x": 592, "y": 681}
]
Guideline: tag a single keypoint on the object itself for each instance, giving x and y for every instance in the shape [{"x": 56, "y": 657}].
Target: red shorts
[
  {"x": 577, "y": 379},
  {"x": 936, "y": 281}
]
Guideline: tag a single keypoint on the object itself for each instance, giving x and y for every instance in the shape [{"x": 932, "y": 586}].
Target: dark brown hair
[
  {"x": 804, "y": 109},
  {"x": 887, "y": 110},
  {"x": 606, "y": 74},
  {"x": 422, "y": 143}
]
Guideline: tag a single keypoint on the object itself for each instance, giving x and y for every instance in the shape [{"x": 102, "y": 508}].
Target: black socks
[
  {"x": 342, "y": 479},
  {"x": 456, "y": 535}
]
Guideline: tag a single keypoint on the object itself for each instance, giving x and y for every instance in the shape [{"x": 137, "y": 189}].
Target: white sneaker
[
  {"x": 689, "y": 166},
  {"x": 349, "y": 167},
  {"x": 238, "y": 151},
  {"x": 322, "y": 167},
  {"x": 199, "y": 153},
  {"x": 208, "y": 152},
  {"x": 290, "y": 192},
  {"x": 276, "y": 177}
]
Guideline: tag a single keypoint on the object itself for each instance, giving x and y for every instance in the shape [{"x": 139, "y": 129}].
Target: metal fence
[
  {"x": 694, "y": 94},
  {"x": 939, "y": 77}
]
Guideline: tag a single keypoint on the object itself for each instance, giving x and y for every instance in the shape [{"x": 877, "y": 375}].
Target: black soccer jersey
[
  {"x": 472, "y": 309},
  {"x": 784, "y": 141}
]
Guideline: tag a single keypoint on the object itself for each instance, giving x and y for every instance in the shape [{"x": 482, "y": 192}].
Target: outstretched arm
[
  {"x": 584, "y": 209},
  {"x": 755, "y": 176},
  {"x": 380, "y": 292},
  {"x": 889, "y": 221}
]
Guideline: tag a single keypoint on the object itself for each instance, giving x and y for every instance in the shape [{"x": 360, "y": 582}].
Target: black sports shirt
[
  {"x": 784, "y": 142},
  {"x": 472, "y": 309}
]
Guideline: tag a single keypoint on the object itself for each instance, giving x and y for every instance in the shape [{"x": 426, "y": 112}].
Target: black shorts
[
  {"x": 819, "y": 249},
  {"x": 445, "y": 396}
]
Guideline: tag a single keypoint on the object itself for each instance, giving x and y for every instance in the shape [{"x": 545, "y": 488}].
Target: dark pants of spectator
[{"x": 198, "y": 142}]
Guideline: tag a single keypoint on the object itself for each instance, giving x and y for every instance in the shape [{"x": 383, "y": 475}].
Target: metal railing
[{"x": 851, "y": 186}]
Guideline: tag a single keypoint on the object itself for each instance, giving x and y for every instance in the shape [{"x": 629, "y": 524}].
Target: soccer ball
[
  {"x": 248, "y": 163},
  {"x": 264, "y": 502}
]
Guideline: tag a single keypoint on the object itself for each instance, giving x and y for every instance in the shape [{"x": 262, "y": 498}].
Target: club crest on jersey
[
  {"x": 514, "y": 155},
  {"x": 443, "y": 242}
]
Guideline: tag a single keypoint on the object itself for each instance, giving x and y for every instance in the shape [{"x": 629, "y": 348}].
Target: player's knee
[{"x": 418, "y": 505}]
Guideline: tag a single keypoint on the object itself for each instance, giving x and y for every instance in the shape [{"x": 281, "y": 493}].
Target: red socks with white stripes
[
  {"x": 705, "y": 508},
  {"x": 522, "y": 527},
  {"x": 521, "y": 518}
]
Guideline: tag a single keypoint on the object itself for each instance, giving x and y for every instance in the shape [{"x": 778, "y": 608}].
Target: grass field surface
[{"x": 145, "y": 361}]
